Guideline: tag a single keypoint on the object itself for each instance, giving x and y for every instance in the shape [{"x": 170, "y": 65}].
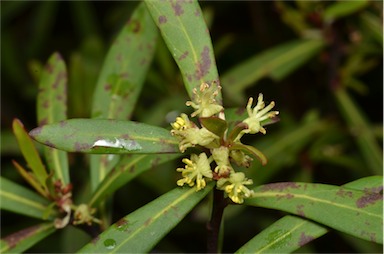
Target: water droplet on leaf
[
  {"x": 130, "y": 145},
  {"x": 110, "y": 244}
]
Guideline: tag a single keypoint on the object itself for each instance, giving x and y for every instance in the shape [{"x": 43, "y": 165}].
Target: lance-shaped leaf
[
  {"x": 30, "y": 153},
  {"x": 354, "y": 212},
  {"x": 106, "y": 136},
  {"x": 183, "y": 29},
  {"x": 362, "y": 131},
  {"x": 51, "y": 108},
  {"x": 125, "y": 67},
  {"x": 139, "y": 231},
  {"x": 290, "y": 232},
  {"x": 128, "y": 168},
  {"x": 284, "y": 236},
  {"x": 24, "y": 239},
  {"x": 20, "y": 200},
  {"x": 122, "y": 78},
  {"x": 276, "y": 63}
]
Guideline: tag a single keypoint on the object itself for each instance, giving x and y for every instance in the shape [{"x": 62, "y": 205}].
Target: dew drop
[
  {"x": 110, "y": 244},
  {"x": 130, "y": 145}
]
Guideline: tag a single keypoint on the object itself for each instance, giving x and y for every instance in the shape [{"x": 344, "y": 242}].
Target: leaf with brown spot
[
  {"x": 101, "y": 136},
  {"x": 290, "y": 233},
  {"x": 324, "y": 204},
  {"x": 24, "y": 239},
  {"x": 185, "y": 34},
  {"x": 284, "y": 236},
  {"x": 51, "y": 108},
  {"x": 122, "y": 77},
  {"x": 150, "y": 223}
]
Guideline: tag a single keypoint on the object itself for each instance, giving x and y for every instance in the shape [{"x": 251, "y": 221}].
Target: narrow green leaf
[
  {"x": 361, "y": 131},
  {"x": 139, "y": 231},
  {"x": 24, "y": 239},
  {"x": 332, "y": 206},
  {"x": 276, "y": 63},
  {"x": 122, "y": 78},
  {"x": 20, "y": 200},
  {"x": 183, "y": 29},
  {"x": 51, "y": 108},
  {"x": 128, "y": 168},
  {"x": 284, "y": 236},
  {"x": 29, "y": 152},
  {"x": 106, "y": 136},
  {"x": 125, "y": 67},
  {"x": 290, "y": 233},
  {"x": 341, "y": 9}
]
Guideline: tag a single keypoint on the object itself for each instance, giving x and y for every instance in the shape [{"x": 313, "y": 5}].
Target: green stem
[{"x": 213, "y": 226}]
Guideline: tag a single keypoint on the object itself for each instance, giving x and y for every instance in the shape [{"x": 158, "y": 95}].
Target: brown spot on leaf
[
  {"x": 46, "y": 104},
  {"x": 61, "y": 77},
  {"x": 107, "y": 87},
  {"x": 280, "y": 186},
  {"x": 240, "y": 111},
  {"x": 197, "y": 13},
  {"x": 147, "y": 222},
  {"x": 343, "y": 193},
  {"x": 372, "y": 236},
  {"x": 35, "y": 132},
  {"x": 49, "y": 68},
  {"x": 300, "y": 211},
  {"x": 43, "y": 121},
  {"x": 132, "y": 169},
  {"x": 287, "y": 196},
  {"x": 48, "y": 143},
  {"x": 82, "y": 146},
  {"x": 368, "y": 198},
  {"x": 184, "y": 55},
  {"x": 121, "y": 222},
  {"x": 134, "y": 25},
  {"x": 202, "y": 66},
  {"x": 162, "y": 19},
  {"x": 178, "y": 10},
  {"x": 304, "y": 239},
  {"x": 13, "y": 239}
]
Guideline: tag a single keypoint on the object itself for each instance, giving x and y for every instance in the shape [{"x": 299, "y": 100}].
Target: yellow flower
[
  {"x": 234, "y": 187},
  {"x": 204, "y": 101},
  {"x": 196, "y": 170},
  {"x": 190, "y": 135},
  {"x": 258, "y": 114}
]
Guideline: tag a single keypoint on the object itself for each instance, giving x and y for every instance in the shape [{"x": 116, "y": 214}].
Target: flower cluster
[{"x": 221, "y": 145}]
